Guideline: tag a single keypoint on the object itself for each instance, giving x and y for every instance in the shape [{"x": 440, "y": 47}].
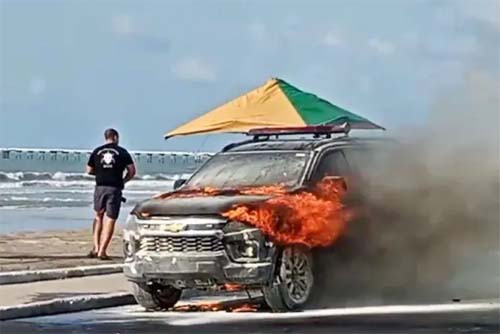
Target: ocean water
[
  {"x": 45, "y": 201},
  {"x": 53, "y": 194}
]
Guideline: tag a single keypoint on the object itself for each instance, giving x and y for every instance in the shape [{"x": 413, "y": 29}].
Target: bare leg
[
  {"x": 96, "y": 231},
  {"x": 106, "y": 235}
]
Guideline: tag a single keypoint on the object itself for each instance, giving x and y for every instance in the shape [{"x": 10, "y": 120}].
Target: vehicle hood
[{"x": 186, "y": 206}]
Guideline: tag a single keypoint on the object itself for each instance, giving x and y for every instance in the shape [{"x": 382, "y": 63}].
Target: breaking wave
[
  {"x": 32, "y": 178},
  {"x": 58, "y": 189},
  {"x": 64, "y": 190},
  {"x": 44, "y": 202}
]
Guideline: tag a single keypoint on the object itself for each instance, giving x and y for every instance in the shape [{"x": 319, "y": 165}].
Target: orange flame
[
  {"x": 233, "y": 287},
  {"x": 216, "y": 306},
  {"x": 246, "y": 308},
  {"x": 208, "y": 191},
  {"x": 312, "y": 218},
  {"x": 200, "y": 307}
]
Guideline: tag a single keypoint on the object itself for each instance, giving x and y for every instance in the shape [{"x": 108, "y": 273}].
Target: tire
[
  {"x": 293, "y": 282},
  {"x": 155, "y": 297}
]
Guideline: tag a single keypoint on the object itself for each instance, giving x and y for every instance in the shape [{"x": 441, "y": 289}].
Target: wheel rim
[{"x": 297, "y": 275}]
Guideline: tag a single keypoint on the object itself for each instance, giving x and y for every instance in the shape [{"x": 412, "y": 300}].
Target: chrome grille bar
[{"x": 185, "y": 244}]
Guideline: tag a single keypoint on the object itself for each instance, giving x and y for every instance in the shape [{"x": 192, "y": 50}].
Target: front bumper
[
  {"x": 196, "y": 270},
  {"x": 196, "y": 252}
]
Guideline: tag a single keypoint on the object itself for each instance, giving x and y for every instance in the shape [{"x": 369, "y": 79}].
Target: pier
[{"x": 69, "y": 160}]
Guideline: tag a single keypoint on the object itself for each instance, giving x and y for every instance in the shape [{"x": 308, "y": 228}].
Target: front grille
[{"x": 181, "y": 244}]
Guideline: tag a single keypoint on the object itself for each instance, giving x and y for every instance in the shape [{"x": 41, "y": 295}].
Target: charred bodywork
[
  {"x": 184, "y": 242},
  {"x": 196, "y": 252}
]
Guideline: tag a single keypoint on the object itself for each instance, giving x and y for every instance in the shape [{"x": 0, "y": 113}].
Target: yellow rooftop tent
[{"x": 275, "y": 104}]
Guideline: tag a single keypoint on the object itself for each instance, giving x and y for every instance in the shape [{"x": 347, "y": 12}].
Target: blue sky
[{"x": 69, "y": 69}]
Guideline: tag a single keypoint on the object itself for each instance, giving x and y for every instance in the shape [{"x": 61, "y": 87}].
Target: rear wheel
[
  {"x": 155, "y": 297},
  {"x": 294, "y": 281}
]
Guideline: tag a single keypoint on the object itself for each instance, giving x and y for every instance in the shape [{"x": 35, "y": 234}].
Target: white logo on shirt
[{"x": 108, "y": 159}]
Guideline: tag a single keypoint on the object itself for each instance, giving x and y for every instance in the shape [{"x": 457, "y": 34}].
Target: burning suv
[{"x": 248, "y": 217}]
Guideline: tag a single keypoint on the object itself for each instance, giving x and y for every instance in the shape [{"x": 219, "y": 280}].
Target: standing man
[{"x": 108, "y": 163}]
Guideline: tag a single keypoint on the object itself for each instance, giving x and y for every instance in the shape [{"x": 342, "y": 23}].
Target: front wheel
[
  {"x": 155, "y": 297},
  {"x": 293, "y": 282}
]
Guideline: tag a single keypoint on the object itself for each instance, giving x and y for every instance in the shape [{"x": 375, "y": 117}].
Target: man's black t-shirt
[{"x": 109, "y": 162}]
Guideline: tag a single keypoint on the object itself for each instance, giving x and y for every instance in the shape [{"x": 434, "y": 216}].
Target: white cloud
[
  {"x": 194, "y": 69},
  {"x": 381, "y": 46},
  {"x": 123, "y": 25},
  {"x": 332, "y": 39},
  {"x": 37, "y": 86}
]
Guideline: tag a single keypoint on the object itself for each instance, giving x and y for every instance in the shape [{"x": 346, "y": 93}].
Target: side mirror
[{"x": 179, "y": 183}]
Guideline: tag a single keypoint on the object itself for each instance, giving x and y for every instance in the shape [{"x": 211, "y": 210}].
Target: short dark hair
[{"x": 110, "y": 134}]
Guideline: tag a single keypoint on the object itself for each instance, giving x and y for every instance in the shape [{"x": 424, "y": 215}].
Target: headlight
[
  {"x": 131, "y": 225},
  {"x": 128, "y": 248},
  {"x": 232, "y": 227},
  {"x": 130, "y": 237},
  {"x": 244, "y": 243}
]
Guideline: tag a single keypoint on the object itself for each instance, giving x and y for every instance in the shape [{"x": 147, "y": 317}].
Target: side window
[{"x": 331, "y": 164}]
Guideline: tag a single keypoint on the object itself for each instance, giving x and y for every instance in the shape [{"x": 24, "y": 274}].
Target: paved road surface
[
  {"x": 15, "y": 294},
  {"x": 471, "y": 317}
]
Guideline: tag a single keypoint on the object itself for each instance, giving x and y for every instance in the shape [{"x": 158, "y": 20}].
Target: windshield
[{"x": 235, "y": 170}]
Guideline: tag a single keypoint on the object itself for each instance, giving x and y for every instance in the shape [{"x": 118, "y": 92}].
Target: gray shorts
[{"x": 109, "y": 200}]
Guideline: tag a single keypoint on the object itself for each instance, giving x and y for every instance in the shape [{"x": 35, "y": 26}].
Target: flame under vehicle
[{"x": 182, "y": 240}]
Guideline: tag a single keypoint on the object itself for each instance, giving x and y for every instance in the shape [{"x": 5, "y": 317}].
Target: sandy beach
[{"x": 52, "y": 249}]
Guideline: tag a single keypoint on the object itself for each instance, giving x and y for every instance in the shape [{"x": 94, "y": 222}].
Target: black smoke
[{"x": 429, "y": 217}]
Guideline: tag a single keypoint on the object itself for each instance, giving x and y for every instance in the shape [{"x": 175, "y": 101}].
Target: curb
[
  {"x": 92, "y": 302},
  {"x": 27, "y": 276},
  {"x": 65, "y": 305}
]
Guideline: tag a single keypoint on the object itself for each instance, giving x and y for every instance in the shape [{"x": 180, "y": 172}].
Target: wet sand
[{"x": 52, "y": 249}]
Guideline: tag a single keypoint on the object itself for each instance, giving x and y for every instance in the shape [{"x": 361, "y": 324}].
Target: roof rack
[
  {"x": 233, "y": 145},
  {"x": 316, "y": 130},
  {"x": 264, "y": 134}
]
